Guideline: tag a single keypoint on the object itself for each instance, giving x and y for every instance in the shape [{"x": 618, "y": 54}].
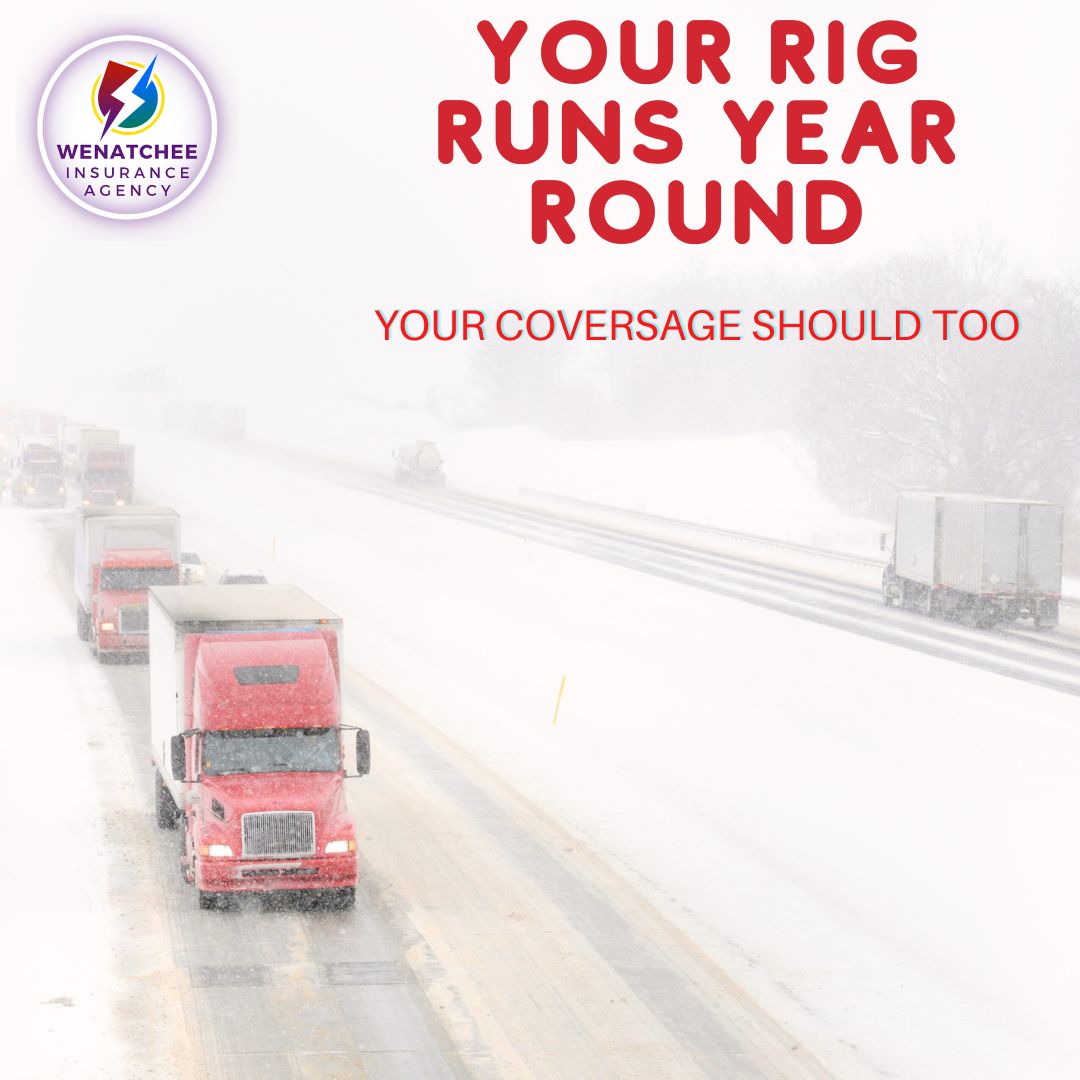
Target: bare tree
[{"x": 989, "y": 416}]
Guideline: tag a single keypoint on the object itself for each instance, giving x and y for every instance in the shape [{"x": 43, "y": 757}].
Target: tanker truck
[
  {"x": 976, "y": 559},
  {"x": 419, "y": 462},
  {"x": 247, "y": 741}
]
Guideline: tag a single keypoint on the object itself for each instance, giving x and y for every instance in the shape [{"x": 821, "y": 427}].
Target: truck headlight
[
  {"x": 29, "y": 489},
  {"x": 108, "y": 626},
  {"x": 216, "y": 851},
  {"x": 339, "y": 847},
  {"x": 119, "y": 502}
]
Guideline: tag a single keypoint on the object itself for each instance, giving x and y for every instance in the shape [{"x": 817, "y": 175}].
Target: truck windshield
[
  {"x": 270, "y": 750},
  {"x": 130, "y": 578}
]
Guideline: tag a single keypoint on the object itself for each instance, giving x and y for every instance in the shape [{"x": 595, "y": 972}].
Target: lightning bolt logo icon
[{"x": 140, "y": 101}]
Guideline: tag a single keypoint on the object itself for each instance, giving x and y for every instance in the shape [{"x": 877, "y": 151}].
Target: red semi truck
[
  {"x": 247, "y": 740},
  {"x": 76, "y": 439},
  {"x": 119, "y": 553},
  {"x": 107, "y": 475}
]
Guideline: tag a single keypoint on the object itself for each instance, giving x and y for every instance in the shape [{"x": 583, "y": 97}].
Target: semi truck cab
[
  {"x": 119, "y": 620},
  {"x": 266, "y": 749},
  {"x": 107, "y": 476},
  {"x": 39, "y": 480}
]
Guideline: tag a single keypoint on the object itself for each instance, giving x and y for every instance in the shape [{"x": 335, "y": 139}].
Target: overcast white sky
[{"x": 326, "y": 198}]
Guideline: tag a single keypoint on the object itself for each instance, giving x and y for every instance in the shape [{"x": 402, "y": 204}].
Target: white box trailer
[
  {"x": 71, "y": 435},
  {"x": 970, "y": 555},
  {"x": 30, "y": 440},
  {"x": 181, "y": 616},
  {"x": 89, "y": 438},
  {"x": 108, "y": 528}
]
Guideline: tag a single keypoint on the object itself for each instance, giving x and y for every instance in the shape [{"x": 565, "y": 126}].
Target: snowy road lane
[
  {"x": 90, "y": 989},
  {"x": 547, "y": 963}
]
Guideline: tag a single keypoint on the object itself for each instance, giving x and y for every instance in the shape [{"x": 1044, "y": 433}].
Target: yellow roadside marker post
[{"x": 558, "y": 701}]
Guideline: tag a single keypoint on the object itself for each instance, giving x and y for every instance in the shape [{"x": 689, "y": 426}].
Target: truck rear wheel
[{"x": 167, "y": 813}]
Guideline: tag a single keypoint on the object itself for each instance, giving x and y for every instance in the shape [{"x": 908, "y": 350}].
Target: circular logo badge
[{"x": 127, "y": 127}]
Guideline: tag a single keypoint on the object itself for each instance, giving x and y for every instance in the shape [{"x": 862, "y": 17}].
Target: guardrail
[
  {"x": 639, "y": 515},
  {"x": 729, "y": 534},
  {"x": 712, "y": 530}
]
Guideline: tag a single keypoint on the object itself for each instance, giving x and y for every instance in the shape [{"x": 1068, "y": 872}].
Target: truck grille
[
  {"x": 134, "y": 619},
  {"x": 102, "y": 498},
  {"x": 279, "y": 832}
]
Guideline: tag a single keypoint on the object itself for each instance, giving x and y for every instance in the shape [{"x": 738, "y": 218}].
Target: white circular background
[{"x": 66, "y": 115}]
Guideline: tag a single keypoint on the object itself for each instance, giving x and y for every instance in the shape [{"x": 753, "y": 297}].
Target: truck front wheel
[
  {"x": 82, "y": 623},
  {"x": 340, "y": 899},
  {"x": 208, "y": 901}
]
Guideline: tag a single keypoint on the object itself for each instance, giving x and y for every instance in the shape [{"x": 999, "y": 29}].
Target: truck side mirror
[
  {"x": 363, "y": 753},
  {"x": 884, "y": 537},
  {"x": 178, "y": 757}
]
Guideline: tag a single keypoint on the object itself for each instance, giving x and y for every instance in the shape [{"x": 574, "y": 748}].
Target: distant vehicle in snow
[
  {"x": 39, "y": 477},
  {"x": 419, "y": 462},
  {"x": 192, "y": 569},
  {"x": 243, "y": 577},
  {"x": 106, "y": 474},
  {"x": 77, "y": 439},
  {"x": 976, "y": 559}
]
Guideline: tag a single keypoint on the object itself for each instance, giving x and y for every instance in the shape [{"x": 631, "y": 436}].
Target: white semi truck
[{"x": 976, "y": 558}]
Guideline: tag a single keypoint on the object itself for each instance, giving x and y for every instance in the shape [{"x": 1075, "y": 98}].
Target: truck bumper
[
  {"x": 277, "y": 875},
  {"x": 112, "y": 644}
]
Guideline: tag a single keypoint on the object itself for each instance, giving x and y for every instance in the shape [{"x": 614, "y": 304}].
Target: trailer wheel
[{"x": 167, "y": 813}]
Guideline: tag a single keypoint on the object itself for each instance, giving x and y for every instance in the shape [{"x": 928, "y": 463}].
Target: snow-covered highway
[{"x": 751, "y": 845}]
